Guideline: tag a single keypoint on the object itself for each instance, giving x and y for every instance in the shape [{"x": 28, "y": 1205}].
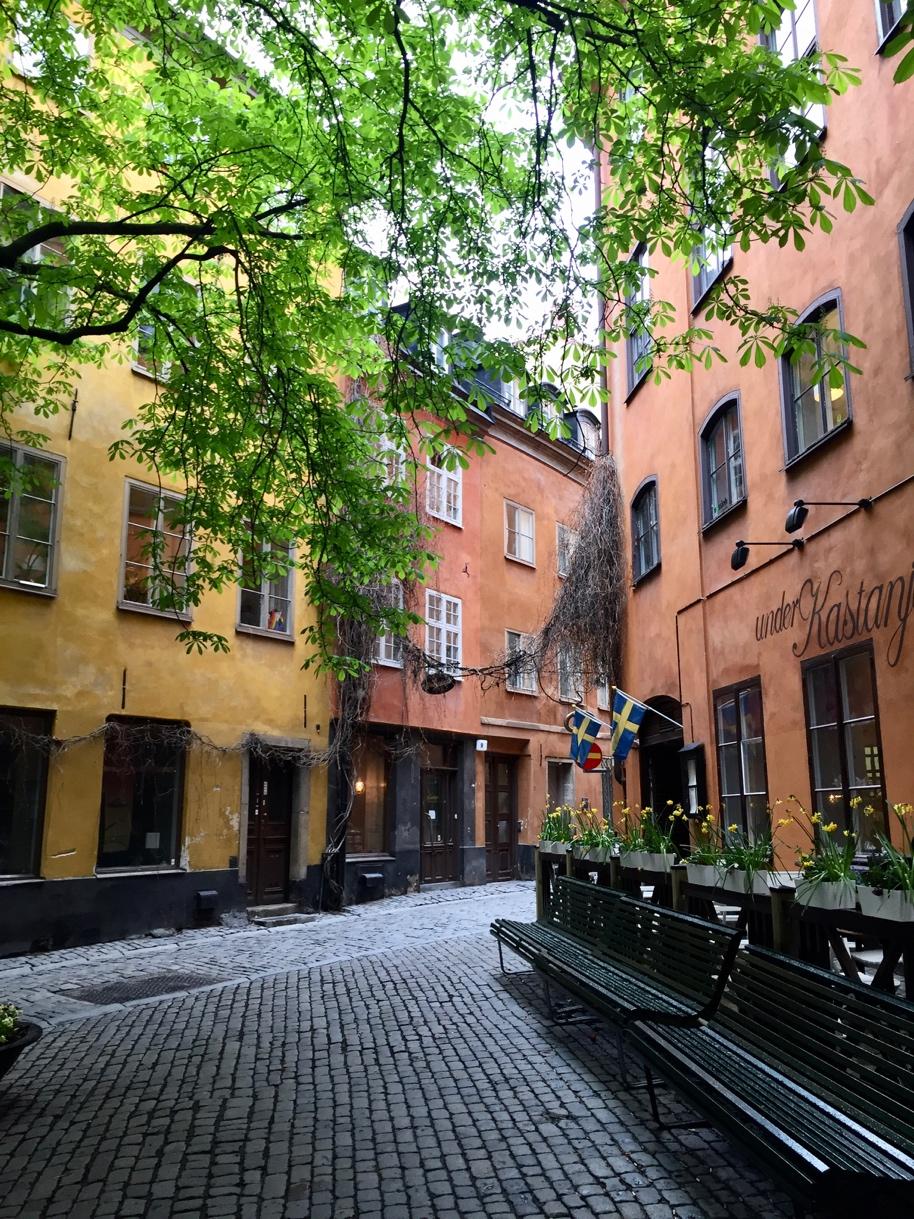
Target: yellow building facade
[{"x": 139, "y": 786}]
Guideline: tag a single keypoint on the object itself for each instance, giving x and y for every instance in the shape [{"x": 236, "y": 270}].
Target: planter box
[
  {"x": 892, "y": 904},
  {"x": 706, "y": 874},
  {"x": 648, "y": 861},
  {"x": 594, "y": 854},
  {"x": 26, "y": 1034},
  {"x": 633, "y": 859},
  {"x": 553, "y": 848},
  {"x": 736, "y": 880},
  {"x": 827, "y": 894}
]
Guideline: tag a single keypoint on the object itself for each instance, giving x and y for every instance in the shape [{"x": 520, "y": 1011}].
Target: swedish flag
[
  {"x": 627, "y": 716},
  {"x": 584, "y": 729}
]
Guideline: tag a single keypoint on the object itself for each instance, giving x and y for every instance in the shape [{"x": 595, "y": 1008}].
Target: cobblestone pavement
[{"x": 373, "y": 1065}]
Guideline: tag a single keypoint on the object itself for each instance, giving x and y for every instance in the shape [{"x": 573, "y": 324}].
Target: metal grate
[{"x": 142, "y": 988}]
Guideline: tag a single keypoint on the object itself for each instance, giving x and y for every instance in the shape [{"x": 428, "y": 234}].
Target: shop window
[
  {"x": 722, "y": 462},
  {"x": 444, "y": 489},
  {"x": 156, "y": 550},
  {"x": 388, "y": 648},
  {"x": 142, "y": 790},
  {"x": 637, "y": 322},
  {"x": 906, "y": 238},
  {"x": 24, "y": 739},
  {"x": 443, "y": 634},
  {"x": 560, "y": 783},
  {"x": 265, "y": 602},
  {"x": 521, "y": 677},
  {"x": 29, "y": 494},
  {"x": 366, "y": 833},
  {"x": 845, "y": 750},
  {"x": 741, "y": 758},
  {"x": 565, "y": 541},
  {"x": 645, "y": 531},
  {"x": 814, "y": 406},
  {"x": 520, "y": 532}
]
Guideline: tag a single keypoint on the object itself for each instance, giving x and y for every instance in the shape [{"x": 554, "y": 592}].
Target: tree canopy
[{"x": 250, "y": 186}]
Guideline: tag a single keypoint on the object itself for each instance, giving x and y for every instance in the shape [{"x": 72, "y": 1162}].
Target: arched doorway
[{"x": 660, "y": 743}]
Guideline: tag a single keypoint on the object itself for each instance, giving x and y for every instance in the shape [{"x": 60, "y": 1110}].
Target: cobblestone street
[{"x": 371, "y": 1064}]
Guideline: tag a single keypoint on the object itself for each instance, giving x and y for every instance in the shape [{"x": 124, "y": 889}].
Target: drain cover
[{"x": 141, "y": 988}]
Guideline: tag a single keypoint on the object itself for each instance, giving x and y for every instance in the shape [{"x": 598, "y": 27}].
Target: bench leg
[
  {"x": 620, "y": 1056},
  {"x": 501, "y": 961},
  {"x": 655, "y": 1112},
  {"x": 569, "y": 1013}
]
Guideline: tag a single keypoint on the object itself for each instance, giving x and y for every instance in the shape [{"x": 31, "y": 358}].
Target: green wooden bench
[
  {"x": 811, "y": 1073},
  {"x": 622, "y": 958}
]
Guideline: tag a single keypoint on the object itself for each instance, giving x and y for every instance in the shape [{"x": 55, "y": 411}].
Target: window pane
[
  {"x": 856, "y": 686},
  {"x": 251, "y": 607},
  {"x": 826, "y": 759},
  {"x": 23, "y": 766},
  {"x": 137, "y": 583},
  {"x": 726, "y": 721},
  {"x": 733, "y": 810},
  {"x": 750, "y": 712},
  {"x": 759, "y": 822},
  {"x": 141, "y": 795},
  {"x": 730, "y": 778},
  {"x": 805, "y": 22},
  {"x": 366, "y": 829},
  {"x": 822, "y": 695},
  {"x": 144, "y": 507},
  {"x": 862, "y": 748},
  {"x": 35, "y": 519},
  {"x": 31, "y": 562}
]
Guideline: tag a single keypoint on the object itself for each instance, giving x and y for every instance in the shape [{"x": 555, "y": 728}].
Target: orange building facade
[
  {"x": 791, "y": 667},
  {"x": 451, "y": 788}
]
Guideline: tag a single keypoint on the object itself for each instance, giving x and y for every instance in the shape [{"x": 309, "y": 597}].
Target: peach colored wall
[{"x": 656, "y": 432}]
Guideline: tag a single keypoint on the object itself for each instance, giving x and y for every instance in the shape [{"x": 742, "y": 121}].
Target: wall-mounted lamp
[
  {"x": 741, "y": 550},
  {"x": 359, "y": 786},
  {"x": 797, "y": 515}
]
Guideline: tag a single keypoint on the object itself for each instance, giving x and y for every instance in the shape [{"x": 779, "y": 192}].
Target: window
[
  {"x": 604, "y": 694},
  {"x": 366, "y": 831},
  {"x": 889, "y": 15},
  {"x": 741, "y": 758},
  {"x": 906, "y": 237},
  {"x": 142, "y": 785},
  {"x": 443, "y": 630},
  {"x": 44, "y": 300},
  {"x": 23, "y": 774},
  {"x": 796, "y": 38},
  {"x": 266, "y": 586},
  {"x": 443, "y": 489},
  {"x": 722, "y": 461},
  {"x": 645, "y": 531},
  {"x": 565, "y": 541},
  {"x": 156, "y": 550},
  {"x": 388, "y": 648},
  {"x": 520, "y": 527},
  {"x": 560, "y": 783},
  {"x": 393, "y": 465},
  {"x": 28, "y": 60},
  {"x": 711, "y": 256},
  {"x": 637, "y": 324},
  {"x": 29, "y": 493},
  {"x": 845, "y": 751},
  {"x": 522, "y": 674},
  {"x": 813, "y": 405},
  {"x": 571, "y": 679}
]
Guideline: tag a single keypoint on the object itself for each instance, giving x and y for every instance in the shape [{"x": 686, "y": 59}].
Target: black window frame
[
  {"x": 647, "y": 488},
  {"x": 720, "y": 696},
  {"x": 716, "y": 417},
  {"x": 637, "y": 339},
  {"x": 793, "y": 454},
  {"x": 833, "y": 660},
  {"x": 906, "y": 249},
  {"x": 37, "y": 722}
]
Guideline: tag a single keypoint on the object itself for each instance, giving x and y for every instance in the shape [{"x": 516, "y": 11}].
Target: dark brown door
[
  {"x": 501, "y": 818},
  {"x": 269, "y": 830},
  {"x": 439, "y": 827}
]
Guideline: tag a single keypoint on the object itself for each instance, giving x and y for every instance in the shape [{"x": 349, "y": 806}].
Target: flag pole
[{"x": 647, "y": 707}]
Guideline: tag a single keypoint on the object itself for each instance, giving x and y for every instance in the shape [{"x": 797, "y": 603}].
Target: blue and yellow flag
[
  {"x": 584, "y": 729},
  {"x": 627, "y": 716}
]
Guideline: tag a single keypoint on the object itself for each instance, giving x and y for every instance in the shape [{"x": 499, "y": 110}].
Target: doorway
[
  {"x": 501, "y": 818},
  {"x": 269, "y": 830},
  {"x": 439, "y": 822},
  {"x": 661, "y": 766}
]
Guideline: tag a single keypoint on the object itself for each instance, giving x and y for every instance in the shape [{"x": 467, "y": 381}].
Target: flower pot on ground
[
  {"x": 827, "y": 894},
  {"x": 892, "y": 904},
  {"x": 15, "y": 1036}
]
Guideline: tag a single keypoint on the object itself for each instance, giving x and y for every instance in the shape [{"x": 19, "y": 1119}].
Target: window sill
[
  {"x": 147, "y": 373},
  {"x": 709, "y": 526},
  {"x": 841, "y": 430},
  {"x": 645, "y": 575},
  {"x": 242, "y": 628},
  {"x": 134, "y": 607},
  {"x": 446, "y": 519},
  {"x": 33, "y": 590},
  {"x": 523, "y": 562},
  {"x": 387, "y": 664},
  {"x": 526, "y": 693},
  {"x": 633, "y": 389},
  {"x": 725, "y": 269}
]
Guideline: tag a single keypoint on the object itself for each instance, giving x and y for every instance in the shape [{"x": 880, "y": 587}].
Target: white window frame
[
  {"x": 512, "y": 399},
  {"x": 17, "y": 453},
  {"x": 887, "y": 17},
  {"x": 522, "y": 678},
  {"x": 570, "y": 676},
  {"x": 288, "y": 631},
  {"x": 815, "y": 111},
  {"x": 140, "y": 607},
  {"x": 388, "y": 647},
  {"x": 564, "y": 770},
  {"x": 440, "y": 635},
  {"x": 566, "y": 539},
  {"x": 439, "y": 483},
  {"x": 44, "y": 249},
  {"x": 603, "y": 694},
  {"x": 518, "y": 534}
]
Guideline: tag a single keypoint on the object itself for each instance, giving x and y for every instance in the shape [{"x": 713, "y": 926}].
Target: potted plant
[
  {"x": 657, "y": 851},
  {"x": 887, "y": 890},
  {"x": 631, "y": 840},
  {"x": 557, "y": 832},
  {"x": 15, "y": 1035},
  {"x": 829, "y": 880},
  {"x": 747, "y": 861},
  {"x": 706, "y": 858},
  {"x": 597, "y": 840}
]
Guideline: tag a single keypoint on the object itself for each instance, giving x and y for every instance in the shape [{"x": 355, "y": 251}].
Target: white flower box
[
  {"x": 648, "y": 861},
  {"x": 705, "y": 874},
  {"x": 553, "y": 848},
  {"x": 633, "y": 859},
  {"x": 597, "y": 854},
  {"x": 893, "y": 904},
  {"x": 736, "y": 880},
  {"x": 827, "y": 894}
]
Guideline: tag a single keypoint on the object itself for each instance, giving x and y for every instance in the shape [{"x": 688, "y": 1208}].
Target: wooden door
[
  {"x": 501, "y": 818},
  {"x": 439, "y": 827},
  {"x": 269, "y": 830}
]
